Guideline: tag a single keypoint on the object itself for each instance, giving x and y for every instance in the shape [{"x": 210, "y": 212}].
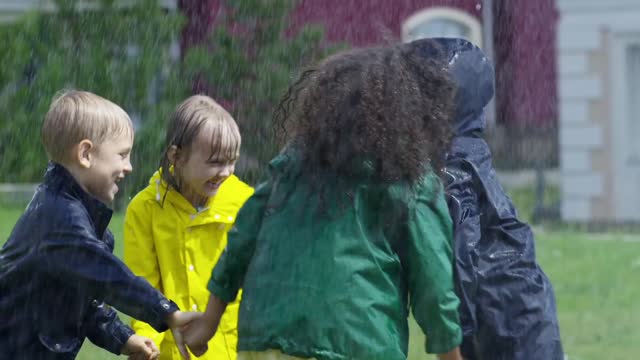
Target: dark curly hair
[{"x": 386, "y": 106}]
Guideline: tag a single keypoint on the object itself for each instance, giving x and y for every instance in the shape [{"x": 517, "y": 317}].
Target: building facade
[{"x": 599, "y": 87}]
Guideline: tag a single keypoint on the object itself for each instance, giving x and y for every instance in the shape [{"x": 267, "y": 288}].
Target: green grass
[
  {"x": 595, "y": 277},
  {"x": 525, "y": 201}
]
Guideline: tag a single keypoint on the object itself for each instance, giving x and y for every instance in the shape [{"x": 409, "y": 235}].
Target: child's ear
[
  {"x": 172, "y": 154},
  {"x": 83, "y": 154}
]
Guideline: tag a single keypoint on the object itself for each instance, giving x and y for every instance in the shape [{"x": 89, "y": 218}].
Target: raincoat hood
[{"x": 472, "y": 73}]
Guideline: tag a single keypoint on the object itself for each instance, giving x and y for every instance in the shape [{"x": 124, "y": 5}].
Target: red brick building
[{"x": 523, "y": 40}]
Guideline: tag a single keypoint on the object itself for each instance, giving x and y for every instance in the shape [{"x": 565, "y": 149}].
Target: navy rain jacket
[
  {"x": 58, "y": 273},
  {"x": 508, "y": 309}
]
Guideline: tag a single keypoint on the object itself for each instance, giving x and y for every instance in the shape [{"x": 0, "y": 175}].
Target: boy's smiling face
[{"x": 109, "y": 163}]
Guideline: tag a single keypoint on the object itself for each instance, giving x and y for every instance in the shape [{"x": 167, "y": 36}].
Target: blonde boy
[{"x": 57, "y": 270}]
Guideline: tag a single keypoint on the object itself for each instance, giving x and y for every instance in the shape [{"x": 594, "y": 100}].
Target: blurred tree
[
  {"x": 247, "y": 63},
  {"x": 122, "y": 53},
  {"x": 128, "y": 54}
]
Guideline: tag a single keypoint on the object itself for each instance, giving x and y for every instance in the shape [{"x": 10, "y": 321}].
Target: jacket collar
[
  {"x": 220, "y": 208},
  {"x": 59, "y": 180}
]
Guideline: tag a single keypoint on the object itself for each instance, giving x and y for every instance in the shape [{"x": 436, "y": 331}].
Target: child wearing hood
[{"x": 508, "y": 309}]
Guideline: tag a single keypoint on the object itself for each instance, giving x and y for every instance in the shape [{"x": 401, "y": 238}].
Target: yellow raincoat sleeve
[{"x": 140, "y": 256}]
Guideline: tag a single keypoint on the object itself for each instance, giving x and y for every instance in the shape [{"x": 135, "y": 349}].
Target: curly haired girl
[{"x": 351, "y": 228}]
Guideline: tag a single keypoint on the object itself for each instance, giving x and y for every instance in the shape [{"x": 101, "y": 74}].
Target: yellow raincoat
[{"x": 174, "y": 246}]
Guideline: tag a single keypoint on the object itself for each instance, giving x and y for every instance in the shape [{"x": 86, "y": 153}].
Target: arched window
[{"x": 442, "y": 22}]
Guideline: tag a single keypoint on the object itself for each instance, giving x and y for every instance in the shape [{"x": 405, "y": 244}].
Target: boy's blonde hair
[
  {"x": 77, "y": 115},
  {"x": 187, "y": 121}
]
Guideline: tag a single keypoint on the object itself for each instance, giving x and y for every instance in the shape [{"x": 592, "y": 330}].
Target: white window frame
[
  {"x": 446, "y": 13},
  {"x": 620, "y": 122}
]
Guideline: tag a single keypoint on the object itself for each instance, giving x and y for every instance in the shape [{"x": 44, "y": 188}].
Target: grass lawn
[{"x": 593, "y": 274}]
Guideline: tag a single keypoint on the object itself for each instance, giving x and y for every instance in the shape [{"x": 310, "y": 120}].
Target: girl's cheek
[{"x": 215, "y": 170}]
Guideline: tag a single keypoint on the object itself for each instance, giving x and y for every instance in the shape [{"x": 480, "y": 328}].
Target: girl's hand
[
  {"x": 140, "y": 348},
  {"x": 451, "y": 355},
  {"x": 176, "y": 322},
  {"x": 197, "y": 335}
]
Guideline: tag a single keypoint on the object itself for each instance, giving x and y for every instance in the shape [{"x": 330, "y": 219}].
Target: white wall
[
  {"x": 581, "y": 30},
  {"x": 11, "y": 9}
]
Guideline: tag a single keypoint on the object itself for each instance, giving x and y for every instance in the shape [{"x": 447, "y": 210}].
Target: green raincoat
[{"x": 334, "y": 276}]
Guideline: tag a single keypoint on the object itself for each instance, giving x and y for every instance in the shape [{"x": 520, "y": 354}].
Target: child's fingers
[
  {"x": 151, "y": 345},
  {"x": 182, "y": 348},
  {"x": 194, "y": 338},
  {"x": 187, "y": 317},
  {"x": 155, "y": 355},
  {"x": 183, "y": 351},
  {"x": 199, "y": 350},
  {"x": 138, "y": 356},
  {"x": 146, "y": 351},
  {"x": 155, "y": 352}
]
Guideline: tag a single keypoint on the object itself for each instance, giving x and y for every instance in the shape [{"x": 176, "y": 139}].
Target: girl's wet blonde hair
[
  {"x": 186, "y": 123},
  {"x": 78, "y": 115}
]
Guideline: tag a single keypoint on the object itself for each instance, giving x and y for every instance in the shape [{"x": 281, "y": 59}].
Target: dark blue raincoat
[
  {"x": 508, "y": 309},
  {"x": 57, "y": 271}
]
